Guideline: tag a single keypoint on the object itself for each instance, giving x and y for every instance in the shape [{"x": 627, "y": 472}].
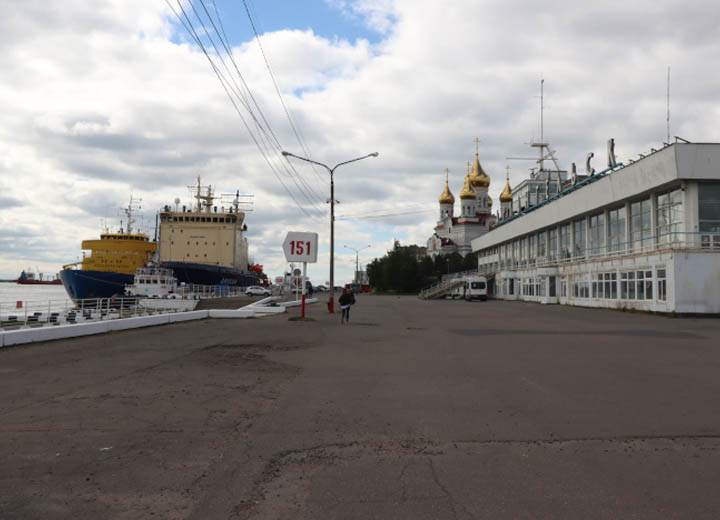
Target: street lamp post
[
  {"x": 357, "y": 251},
  {"x": 331, "y": 304}
]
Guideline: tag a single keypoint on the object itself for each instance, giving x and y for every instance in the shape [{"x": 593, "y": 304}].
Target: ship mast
[
  {"x": 203, "y": 201},
  {"x": 133, "y": 205}
]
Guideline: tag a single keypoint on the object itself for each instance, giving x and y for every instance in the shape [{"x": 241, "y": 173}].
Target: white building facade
[{"x": 644, "y": 236}]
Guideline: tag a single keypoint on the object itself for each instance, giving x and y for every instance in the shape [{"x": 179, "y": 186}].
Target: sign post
[{"x": 301, "y": 247}]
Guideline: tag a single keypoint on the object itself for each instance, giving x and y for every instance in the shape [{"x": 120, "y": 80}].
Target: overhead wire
[
  {"x": 266, "y": 140},
  {"x": 307, "y": 190},
  {"x": 295, "y": 130}
]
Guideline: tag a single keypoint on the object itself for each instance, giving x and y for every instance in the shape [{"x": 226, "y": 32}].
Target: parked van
[{"x": 475, "y": 288}]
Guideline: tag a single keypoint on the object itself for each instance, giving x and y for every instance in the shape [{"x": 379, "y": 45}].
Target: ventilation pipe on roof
[{"x": 612, "y": 162}]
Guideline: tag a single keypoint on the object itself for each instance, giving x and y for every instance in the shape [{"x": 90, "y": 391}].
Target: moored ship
[
  {"x": 111, "y": 264},
  {"x": 205, "y": 246},
  {"x": 28, "y": 278}
]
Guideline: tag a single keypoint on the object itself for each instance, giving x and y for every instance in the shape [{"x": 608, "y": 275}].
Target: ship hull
[
  {"x": 38, "y": 282},
  {"x": 83, "y": 284},
  {"x": 211, "y": 274}
]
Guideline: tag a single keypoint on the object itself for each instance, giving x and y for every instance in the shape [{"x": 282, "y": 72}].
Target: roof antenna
[
  {"x": 542, "y": 109},
  {"x": 668, "y": 106}
]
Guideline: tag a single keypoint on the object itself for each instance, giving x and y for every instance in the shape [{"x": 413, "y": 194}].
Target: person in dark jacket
[{"x": 346, "y": 300}]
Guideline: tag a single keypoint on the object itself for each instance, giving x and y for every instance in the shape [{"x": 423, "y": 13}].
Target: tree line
[{"x": 403, "y": 270}]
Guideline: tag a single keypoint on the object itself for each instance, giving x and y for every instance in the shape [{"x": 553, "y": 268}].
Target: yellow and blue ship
[{"x": 110, "y": 265}]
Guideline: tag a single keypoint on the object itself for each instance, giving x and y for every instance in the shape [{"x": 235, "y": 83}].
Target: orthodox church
[{"x": 453, "y": 234}]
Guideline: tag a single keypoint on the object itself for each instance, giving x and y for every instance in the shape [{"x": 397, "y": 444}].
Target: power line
[
  {"x": 299, "y": 138},
  {"x": 186, "y": 22},
  {"x": 309, "y": 193},
  {"x": 384, "y": 215},
  {"x": 266, "y": 139}
]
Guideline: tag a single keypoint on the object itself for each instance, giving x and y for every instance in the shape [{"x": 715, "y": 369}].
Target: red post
[
  {"x": 18, "y": 305},
  {"x": 302, "y": 307},
  {"x": 331, "y": 306}
]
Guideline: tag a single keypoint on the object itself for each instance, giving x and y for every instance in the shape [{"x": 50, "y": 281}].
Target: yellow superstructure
[{"x": 117, "y": 252}]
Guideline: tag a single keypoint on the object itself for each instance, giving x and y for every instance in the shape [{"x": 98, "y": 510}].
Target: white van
[{"x": 475, "y": 288}]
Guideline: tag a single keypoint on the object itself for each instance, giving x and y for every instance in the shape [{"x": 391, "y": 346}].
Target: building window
[
  {"x": 563, "y": 287},
  {"x": 580, "y": 237},
  {"x": 565, "y": 241},
  {"x": 661, "y": 285},
  {"x": 552, "y": 250},
  {"x": 604, "y": 285},
  {"x": 579, "y": 286},
  {"x": 709, "y": 211},
  {"x": 541, "y": 242},
  {"x": 636, "y": 285},
  {"x": 531, "y": 249},
  {"x": 640, "y": 231},
  {"x": 597, "y": 235},
  {"x": 616, "y": 229},
  {"x": 669, "y": 216}
]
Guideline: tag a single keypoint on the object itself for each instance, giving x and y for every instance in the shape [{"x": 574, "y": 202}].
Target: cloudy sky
[{"x": 104, "y": 99}]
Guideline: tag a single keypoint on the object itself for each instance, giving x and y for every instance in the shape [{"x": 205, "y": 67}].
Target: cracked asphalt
[{"x": 415, "y": 409}]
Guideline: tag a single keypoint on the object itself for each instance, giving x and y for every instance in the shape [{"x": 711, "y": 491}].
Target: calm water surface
[{"x": 12, "y": 292}]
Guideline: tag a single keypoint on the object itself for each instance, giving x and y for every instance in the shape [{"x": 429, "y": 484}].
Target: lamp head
[
  {"x": 285, "y": 153},
  {"x": 374, "y": 154}
]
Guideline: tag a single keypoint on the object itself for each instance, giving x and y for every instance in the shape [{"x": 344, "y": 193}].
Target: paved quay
[{"x": 415, "y": 409}]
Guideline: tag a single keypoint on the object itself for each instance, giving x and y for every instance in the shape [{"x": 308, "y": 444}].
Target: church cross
[
  {"x": 468, "y": 166},
  {"x": 477, "y": 145},
  {"x": 507, "y": 169}
]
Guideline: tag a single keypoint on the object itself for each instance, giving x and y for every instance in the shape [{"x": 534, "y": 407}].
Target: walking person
[{"x": 346, "y": 300}]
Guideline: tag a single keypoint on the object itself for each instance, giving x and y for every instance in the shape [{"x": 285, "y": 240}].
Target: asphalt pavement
[{"x": 415, "y": 409}]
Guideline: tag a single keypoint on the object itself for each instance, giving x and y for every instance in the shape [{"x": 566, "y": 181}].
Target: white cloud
[{"x": 100, "y": 102}]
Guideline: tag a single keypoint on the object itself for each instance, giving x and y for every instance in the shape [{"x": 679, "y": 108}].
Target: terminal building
[{"x": 645, "y": 236}]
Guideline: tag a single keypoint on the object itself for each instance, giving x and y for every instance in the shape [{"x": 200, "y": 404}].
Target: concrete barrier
[
  {"x": 18, "y": 337},
  {"x": 187, "y": 316},
  {"x": 231, "y": 313},
  {"x": 47, "y": 333},
  {"x": 136, "y": 323},
  {"x": 298, "y": 303}
]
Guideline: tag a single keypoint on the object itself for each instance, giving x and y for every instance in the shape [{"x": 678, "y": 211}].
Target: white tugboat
[{"x": 158, "y": 288}]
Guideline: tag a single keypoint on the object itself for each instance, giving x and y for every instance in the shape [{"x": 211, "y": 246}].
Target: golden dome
[
  {"x": 506, "y": 195},
  {"x": 446, "y": 197},
  {"x": 467, "y": 192},
  {"x": 478, "y": 177}
]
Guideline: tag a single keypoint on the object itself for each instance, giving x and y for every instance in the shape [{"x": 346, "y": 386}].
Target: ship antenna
[{"x": 129, "y": 212}]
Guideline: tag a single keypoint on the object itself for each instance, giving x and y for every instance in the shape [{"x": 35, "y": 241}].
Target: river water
[{"x": 12, "y": 292}]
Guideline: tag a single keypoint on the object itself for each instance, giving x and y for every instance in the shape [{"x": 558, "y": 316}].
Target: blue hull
[
  {"x": 81, "y": 284},
  {"x": 212, "y": 274}
]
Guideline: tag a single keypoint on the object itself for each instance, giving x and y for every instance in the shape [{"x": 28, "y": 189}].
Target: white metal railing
[
  {"x": 55, "y": 312},
  {"x": 31, "y": 313},
  {"x": 687, "y": 241}
]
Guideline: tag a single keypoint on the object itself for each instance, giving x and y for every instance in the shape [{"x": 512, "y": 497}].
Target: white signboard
[{"x": 301, "y": 247}]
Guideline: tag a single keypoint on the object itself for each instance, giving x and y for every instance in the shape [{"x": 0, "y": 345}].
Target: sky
[{"x": 111, "y": 99}]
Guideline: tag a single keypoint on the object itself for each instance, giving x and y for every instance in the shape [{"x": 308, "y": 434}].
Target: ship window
[
  {"x": 205, "y": 243},
  {"x": 197, "y": 243},
  {"x": 188, "y": 242},
  {"x": 171, "y": 242},
  {"x": 155, "y": 281},
  {"x": 215, "y": 219},
  {"x": 203, "y": 219},
  {"x": 222, "y": 219}
]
